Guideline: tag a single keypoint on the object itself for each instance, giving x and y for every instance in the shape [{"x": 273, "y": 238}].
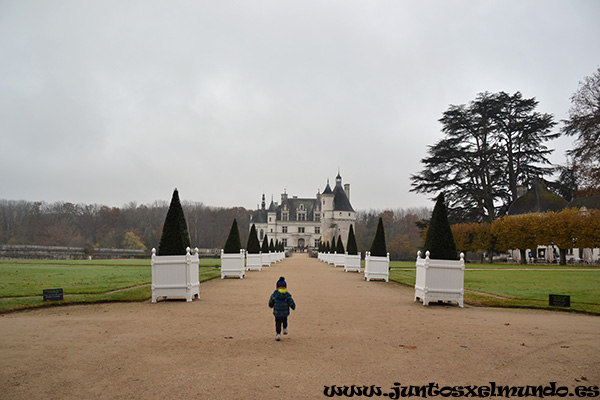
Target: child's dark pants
[{"x": 278, "y": 322}]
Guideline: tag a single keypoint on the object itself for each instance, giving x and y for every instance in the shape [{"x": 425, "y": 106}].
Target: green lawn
[
  {"x": 520, "y": 286},
  {"x": 22, "y": 282}
]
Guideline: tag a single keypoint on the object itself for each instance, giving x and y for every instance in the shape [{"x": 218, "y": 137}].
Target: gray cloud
[{"x": 108, "y": 102}]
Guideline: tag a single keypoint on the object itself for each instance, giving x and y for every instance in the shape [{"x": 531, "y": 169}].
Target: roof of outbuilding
[
  {"x": 591, "y": 202},
  {"x": 537, "y": 199}
]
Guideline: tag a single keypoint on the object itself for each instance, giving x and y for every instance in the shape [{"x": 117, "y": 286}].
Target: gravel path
[{"x": 344, "y": 331}]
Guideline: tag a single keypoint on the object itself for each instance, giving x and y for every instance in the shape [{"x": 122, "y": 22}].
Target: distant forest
[{"x": 140, "y": 226}]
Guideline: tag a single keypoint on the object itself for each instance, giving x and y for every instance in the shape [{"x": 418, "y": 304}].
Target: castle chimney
[{"x": 347, "y": 190}]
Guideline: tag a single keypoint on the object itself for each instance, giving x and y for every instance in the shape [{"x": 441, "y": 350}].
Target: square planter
[
  {"x": 440, "y": 280},
  {"x": 266, "y": 259},
  {"x": 352, "y": 263},
  {"x": 233, "y": 264},
  {"x": 339, "y": 259},
  {"x": 175, "y": 276},
  {"x": 253, "y": 261},
  {"x": 377, "y": 267}
]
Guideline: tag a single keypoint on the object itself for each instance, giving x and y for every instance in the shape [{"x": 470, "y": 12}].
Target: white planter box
[
  {"x": 232, "y": 265},
  {"x": 254, "y": 261},
  {"x": 274, "y": 257},
  {"x": 339, "y": 259},
  {"x": 440, "y": 280},
  {"x": 330, "y": 258},
  {"x": 352, "y": 263},
  {"x": 266, "y": 259},
  {"x": 175, "y": 276},
  {"x": 377, "y": 267}
]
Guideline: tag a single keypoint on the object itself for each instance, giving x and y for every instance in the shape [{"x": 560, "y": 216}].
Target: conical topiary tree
[
  {"x": 378, "y": 248},
  {"x": 271, "y": 246},
  {"x": 351, "y": 245},
  {"x": 253, "y": 245},
  {"x": 439, "y": 240},
  {"x": 333, "y": 245},
  {"x": 328, "y": 247},
  {"x": 265, "y": 245},
  {"x": 233, "y": 244},
  {"x": 175, "y": 238},
  {"x": 340, "y": 246}
]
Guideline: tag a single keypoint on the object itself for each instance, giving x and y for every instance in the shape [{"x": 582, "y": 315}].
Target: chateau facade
[{"x": 303, "y": 223}]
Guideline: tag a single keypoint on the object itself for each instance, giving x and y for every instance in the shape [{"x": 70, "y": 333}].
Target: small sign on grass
[
  {"x": 53, "y": 294},
  {"x": 560, "y": 300}
]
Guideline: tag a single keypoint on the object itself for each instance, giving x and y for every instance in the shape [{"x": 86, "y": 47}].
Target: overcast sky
[{"x": 109, "y": 102}]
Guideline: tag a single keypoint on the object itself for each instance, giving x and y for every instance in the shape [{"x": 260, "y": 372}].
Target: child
[{"x": 281, "y": 301}]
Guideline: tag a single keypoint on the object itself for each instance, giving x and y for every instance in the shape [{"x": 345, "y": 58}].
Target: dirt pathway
[{"x": 345, "y": 331}]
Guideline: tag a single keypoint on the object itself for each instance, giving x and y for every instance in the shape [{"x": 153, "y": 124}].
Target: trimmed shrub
[
  {"x": 340, "y": 246},
  {"x": 333, "y": 245},
  {"x": 265, "y": 245},
  {"x": 175, "y": 238},
  {"x": 439, "y": 240},
  {"x": 378, "y": 248},
  {"x": 271, "y": 246},
  {"x": 351, "y": 247},
  {"x": 253, "y": 245},
  {"x": 233, "y": 244}
]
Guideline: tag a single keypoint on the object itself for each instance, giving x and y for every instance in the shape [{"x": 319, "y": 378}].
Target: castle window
[
  {"x": 301, "y": 230},
  {"x": 262, "y": 234},
  {"x": 285, "y": 216},
  {"x": 317, "y": 216},
  {"x": 284, "y": 242},
  {"x": 317, "y": 229},
  {"x": 284, "y": 229},
  {"x": 301, "y": 216}
]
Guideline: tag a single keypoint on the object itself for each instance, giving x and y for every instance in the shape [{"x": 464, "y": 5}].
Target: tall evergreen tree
[
  {"x": 439, "y": 240},
  {"x": 271, "y": 246},
  {"x": 492, "y": 145},
  {"x": 340, "y": 246},
  {"x": 333, "y": 245},
  {"x": 351, "y": 246},
  {"x": 175, "y": 238},
  {"x": 233, "y": 244},
  {"x": 378, "y": 247},
  {"x": 328, "y": 247},
  {"x": 265, "y": 245},
  {"x": 253, "y": 245}
]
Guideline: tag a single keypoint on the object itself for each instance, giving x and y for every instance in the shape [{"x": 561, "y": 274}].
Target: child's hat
[{"x": 281, "y": 282}]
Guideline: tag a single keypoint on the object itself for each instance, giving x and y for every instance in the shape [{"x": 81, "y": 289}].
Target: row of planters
[
  {"x": 439, "y": 276},
  {"x": 175, "y": 267},
  {"x": 377, "y": 259},
  {"x": 255, "y": 255}
]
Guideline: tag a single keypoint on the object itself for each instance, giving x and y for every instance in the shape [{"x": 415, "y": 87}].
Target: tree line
[
  {"x": 139, "y": 226},
  {"x": 566, "y": 229},
  {"x": 131, "y": 226}
]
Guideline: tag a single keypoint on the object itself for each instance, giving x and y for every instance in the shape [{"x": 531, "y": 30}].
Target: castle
[{"x": 303, "y": 223}]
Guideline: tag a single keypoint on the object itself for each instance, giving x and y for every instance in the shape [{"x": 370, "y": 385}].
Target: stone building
[{"x": 302, "y": 223}]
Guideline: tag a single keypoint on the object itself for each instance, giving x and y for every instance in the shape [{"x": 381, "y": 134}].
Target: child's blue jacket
[{"x": 281, "y": 303}]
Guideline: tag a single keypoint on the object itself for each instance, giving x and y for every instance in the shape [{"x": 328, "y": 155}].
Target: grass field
[
  {"x": 22, "y": 282},
  {"x": 83, "y": 281},
  {"x": 529, "y": 286}
]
